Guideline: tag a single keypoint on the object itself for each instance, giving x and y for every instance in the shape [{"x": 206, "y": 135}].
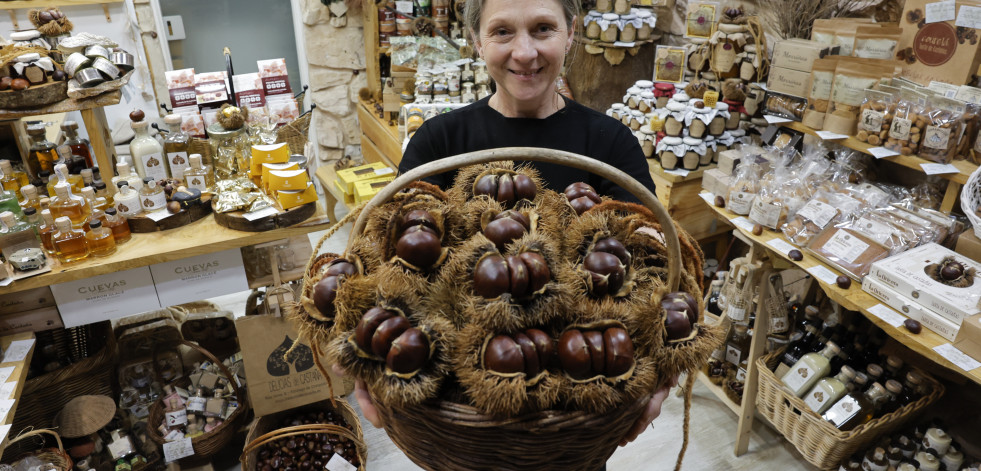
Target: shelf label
[
  {"x": 708, "y": 197},
  {"x": 678, "y": 171},
  {"x": 338, "y": 463},
  {"x": 17, "y": 351},
  {"x": 623, "y": 44},
  {"x": 829, "y": 136},
  {"x": 5, "y": 373},
  {"x": 957, "y": 357},
  {"x": 776, "y": 119},
  {"x": 159, "y": 215},
  {"x": 882, "y": 152},
  {"x": 7, "y": 390},
  {"x": 940, "y": 11},
  {"x": 104, "y": 297},
  {"x": 887, "y": 314},
  {"x": 178, "y": 449},
  {"x": 780, "y": 245},
  {"x": 5, "y": 406},
  {"x": 267, "y": 211},
  {"x": 743, "y": 223},
  {"x": 823, "y": 273},
  {"x": 200, "y": 277},
  {"x": 937, "y": 169}
]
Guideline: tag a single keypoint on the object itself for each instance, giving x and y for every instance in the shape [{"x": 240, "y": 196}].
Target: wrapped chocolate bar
[{"x": 234, "y": 194}]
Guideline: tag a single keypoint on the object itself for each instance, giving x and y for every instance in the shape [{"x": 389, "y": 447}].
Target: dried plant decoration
[{"x": 794, "y": 18}]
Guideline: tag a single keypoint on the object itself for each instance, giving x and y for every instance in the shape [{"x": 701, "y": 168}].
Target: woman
[{"x": 525, "y": 43}]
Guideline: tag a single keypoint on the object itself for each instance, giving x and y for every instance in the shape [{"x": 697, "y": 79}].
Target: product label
[
  {"x": 845, "y": 246},
  {"x": 818, "y": 212},
  {"x": 741, "y": 375},
  {"x": 900, "y": 128},
  {"x": 798, "y": 377},
  {"x": 816, "y": 398},
  {"x": 779, "y": 324},
  {"x": 843, "y": 410},
  {"x": 279, "y": 85},
  {"x": 821, "y": 85},
  {"x": 178, "y": 163},
  {"x": 153, "y": 202},
  {"x": 120, "y": 448},
  {"x": 718, "y": 354},
  {"x": 733, "y": 354},
  {"x": 740, "y": 202},
  {"x": 153, "y": 166},
  {"x": 876, "y": 230},
  {"x": 767, "y": 214},
  {"x": 175, "y": 418},
  {"x": 936, "y": 137},
  {"x": 250, "y": 98},
  {"x": 874, "y": 48},
  {"x": 197, "y": 182},
  {"x": 736, "y": 313},
  {"x": 871, "y": 120},
  {"x": 196, "y": 403}
]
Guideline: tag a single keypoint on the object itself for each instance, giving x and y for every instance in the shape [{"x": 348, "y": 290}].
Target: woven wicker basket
[
  {"x": 263, "y": 430},
  {"x": 56, "y": 456},
  {"x": 207, "y": 445},
  {"x": 295, "y": 133},
  {"x": 971, "y": 200},
  {"x": 821, "y": 443},
  {"x": 443, "y": 435}
]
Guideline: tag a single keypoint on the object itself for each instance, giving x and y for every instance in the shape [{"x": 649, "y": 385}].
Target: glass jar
[
  {"x": 230, "y": 151},
  {"x": 646, "y": 103},
  {"x": 616, "y": 111},
  {"x": 424, "y": 86},
  {"x": 414, "y": 120},
  {"x": 723, "y": 142},
  {"x": 591, "y": 26},
  {"x": 403, "y": 26},
  {"x": 466, "y": 75},
  {"x": 696, "y": 118},
  {"x": 647, "y": 22},
  {"x": 662, "y": 93},
  {"x": 628, "y": 28},
  {"x": 637, "y": 119},
  {"x": 452, "y": 80},
  {"x": 440, "y": 86},
  {"x": 718, "y": 124},
  {"x": 632, "y": 98},
  {"x": 604, "y": 6},
  {"x": 483, "y": 91},
  {"x": 738, "y": 138},
  {"x": 647, "y": 137},
  {"x": 644, "y": 85},
  {"x": 480, "y": 75},
  {"x": 621, "y": 7},
  {"x": 386, "y": 25},
  {"x": 468, "y": 95},
  {"x": 735, "y": 114},
  {"x": 670, "y": 151},
  {"x": 609, "y": 27},
  {"x": 709, "y": 156},
  {"x": 694, "y": 150},
  {"x": 674, "y": 122}
]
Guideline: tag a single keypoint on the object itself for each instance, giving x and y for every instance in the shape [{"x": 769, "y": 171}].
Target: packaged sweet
[
  {"x": 744, "y": 187},
  {"x": 945, "y": 123},
  {"x": 909, "y": 119},
  {"x": 847, "y": 250},
  {"x": 822, "y": 77},
  {"x": 875, "y": 117},
  {"x": 824, "y": 209}
]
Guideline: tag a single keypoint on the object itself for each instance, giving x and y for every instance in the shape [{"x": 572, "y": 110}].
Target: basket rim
[{"x": 971, "y": 200}]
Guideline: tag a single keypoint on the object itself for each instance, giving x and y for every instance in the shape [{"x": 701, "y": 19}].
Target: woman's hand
[
  {"x": 364, "y": 399},
  {"x": 652, "y": 411}
]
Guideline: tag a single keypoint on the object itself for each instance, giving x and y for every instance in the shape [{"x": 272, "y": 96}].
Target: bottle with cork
[
  {"x": 198, "y": 176},
  {"x": 125, "y": 174},
  {"x": 79, "y": 146},
  {"x": 119, "y": 226},
  {"x": 146, "y": 152},
  {"x": 176, "y": 146},
  {"x": 42, "y": 155},
  {"x": 63, "y": 205},
  {"x": 10, "y": 179},
  {"x": 70, "y": 244}
]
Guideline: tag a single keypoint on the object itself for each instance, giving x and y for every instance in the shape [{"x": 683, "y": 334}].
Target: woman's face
[{"x": 524, "y": 44}]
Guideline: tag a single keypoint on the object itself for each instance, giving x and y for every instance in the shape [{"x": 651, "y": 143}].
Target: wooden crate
[
  {"x": 379, "y": 141},
  {"x": 679, "y": 195}
]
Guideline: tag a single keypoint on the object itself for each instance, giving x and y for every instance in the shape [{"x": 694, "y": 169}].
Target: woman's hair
[{"x": 475, "y": 8}]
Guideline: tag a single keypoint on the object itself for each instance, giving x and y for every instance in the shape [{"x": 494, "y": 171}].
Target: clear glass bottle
[
  {"x": 118, "y": 225},
  {"x": 30, "y": 198},
  {"x": 796, "y": 350},
  {"x": 61, "y": 174},
  {"x": 47, "y": 231},
  {"x": 64, "y": 205},
  {"x": 70, "y": 244},
  {"x": 79, "y": 146},
  {"x": 32, "y": 217},
  {"x": 874, "y": 373},
  {"x": 101, "y": 243},
  {"x": 147, "y": 153},
  {"x": 198, "y": 176},
  {"x": 42, "y": 155},
  {"x": 11, "y": 180},
  {"x": 127, "y": 200},
  {"x": 8, "y": 202},
  {"x": 12, "y": 225},
  {"x": 101, "y": 191},
  {"x": 912, "y": 387},
  {"x": 197, "y": 402},
  {"x": 855, "y": 408},
  {"x": 892, "y": 404},
  {"x": 894, "y": 368},
  {"x": 87, "y": 177},
  {"x": 94, "y": 202},
  {"x": 809, "y": 370},
  {"x": 152, "y": 197},
  {"x": 737, "y": 346},
  {"x": 176, "y": 145},
  {"x": 828, "y": 390}
]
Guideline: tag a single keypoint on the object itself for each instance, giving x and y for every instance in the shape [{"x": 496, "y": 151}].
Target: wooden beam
[
  {"x": 155, "y": 54},
  {"x": 102, "y": 144}
]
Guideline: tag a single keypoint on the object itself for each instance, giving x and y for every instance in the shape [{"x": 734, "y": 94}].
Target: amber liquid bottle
[
  {"x": 79, "y": 146},
  {"x": 118, "y": 225},
  {"x": 64, "y": 205},
  {"x": 47, "y": 231},
  {"x": 101, "y": 243},
  {"x": 70, "y": 244}
]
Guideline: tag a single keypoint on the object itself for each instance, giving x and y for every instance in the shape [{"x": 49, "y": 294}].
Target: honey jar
[
  {"x": 592, "y": 27},
  {"x": 670, "y": 151},
  {"x": 662, "y": 93},
  {"x": 637, "y": 119},
  {"x": 718, "y": 124},
  {"x": 632, "y": 98},
  {"x": 710, "y": 151},
  {"x": 647, "y": 22},
  {"x": 628, "y": 27},
  {"x": 698, "y": 117},
  {"x": 694, "y": 150},
  {"x": 609, "y": 27},
  {"x": 646, "y": 137},
  {"x": 674, "y": 121}
]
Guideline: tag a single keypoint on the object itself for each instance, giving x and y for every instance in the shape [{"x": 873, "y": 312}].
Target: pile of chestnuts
[
  {"x": 389, "y": 336},
  {"x": 506, "y": 227},
  {"x": 585, "y": 354},
  {"x": 605, "y": 267},
  {"x": 680, "y": 315},
  {"x": 530, "y": 352},
  {"x": 307, "y": 452},
  {"x": 521, "y": 275},
  {"x": 325, "y": 290},
  {"x": 582, "y": 197},
  {"x": 506, "y": 188},
  {"x": 419, "y": 242}
]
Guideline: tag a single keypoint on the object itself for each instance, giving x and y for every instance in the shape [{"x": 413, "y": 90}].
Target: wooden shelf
[
  {"x": 198, "y": 238},
  {"x": 52, "y": 3},
  {"x": 855, "y": 299},
  {"x": 965, "y": 167},
  {"x": 657, "y": 170},
  {"x": 718, "y": 392},
  {"x": 64, "y": 106},
  {"x": 380, "y": 142},
  {"x": 19, "y": 376}
]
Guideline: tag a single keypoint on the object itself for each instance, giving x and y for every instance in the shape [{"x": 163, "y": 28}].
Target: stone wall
[{"x": 336, "y": 57}]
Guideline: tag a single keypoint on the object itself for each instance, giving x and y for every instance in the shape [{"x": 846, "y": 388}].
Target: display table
[
  {"x": 18, "y": 377},
  {"x": 679, "y": 195}
]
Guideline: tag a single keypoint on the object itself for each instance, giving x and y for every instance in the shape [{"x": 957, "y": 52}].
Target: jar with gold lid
[
  {"x": 609, "y": 27},
  {"x": 718, "y": 124},
  {"x": 414, "y": 120},
  {"x": 647, "y": 22},
  {"x": 698, "y": 118},
  {"x": 674, "y": 121},
  {"x": 591, "y": 26},
  {"x": 628, "y": 27},
  {"x": 694, "y": 150},
  {"x": 670, "y": 151}
]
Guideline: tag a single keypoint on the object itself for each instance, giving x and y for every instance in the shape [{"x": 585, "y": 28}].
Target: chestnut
[
  {"x": 538, "y": 272},
  {"x": 368, "y": 325},
  {"x": 417, "y": 217},
  {"x": 137, "y": 115},
  {"x": 419, "y": 247},
  {"x": 619, "y": 351},
  {"x": 582, "y": 204},
  {"x": 486, "y": 185},
  {"x": 594, "y": 339},
  {"x": 578, "y": 185},
  {"x": 615, "y": 247},
  {"x": 952, "y": 271},
  {"x": 518, "y": 273},
  {"x": 681, "y": 301},
  {"x": 504, "y": 231},
  {"x": 533, "y": 365},
  {"x": 524, "y": 187},
  {"x": 757, "y": 229},
  {"x": 409, "y": 352},
  {"x": 913, "y": 326},
  {"x": 574, "y": 354},
  {"x": 843, "y": 282},
  {"x": 605, "y": 271},
  {"x": 503, "y": 355},
  {"x": 795, "y": 255},
  {"x": 19, "y": 84},
  {"x": 505, "y": 190},
  {"x": 324, "y": 293},
  {"x": 676, "y": 325},
  {"x": 491, "y": 277},
  {"x": 720, "y": 202},
  {"x": 516, "y": 215},
  {"x": 174, "y": 207},
  {"x": 388, "y": 331},
  {"x": 340, "y": 266},
  {"x": 544, "y": 347},
  {"x": 583, "y": 192},
  {"x": 5, "y": 83}
]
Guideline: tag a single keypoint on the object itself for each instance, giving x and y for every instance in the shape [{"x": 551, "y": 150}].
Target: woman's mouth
[{"x": 526, "y": 74}]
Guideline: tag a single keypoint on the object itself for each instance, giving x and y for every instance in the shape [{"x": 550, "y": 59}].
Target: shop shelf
[{"x": 19, "y": 377}]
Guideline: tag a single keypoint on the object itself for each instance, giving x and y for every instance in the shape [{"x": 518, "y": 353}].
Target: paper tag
[
  {"x": 708, "y": 197},
  {"x": 405, "y": 6},
  {"x": 104, "y": 297},
  {"x": 17, "y": 351},
  {"x": 767, "y": 214},
  {"x": 824, "y": 274},
  {"x": 5, "y": 406},
  {"x": 816, "y": 398},
  {"x": 740, "y": 202},
  {"x": 845, "y": 246},
  {"x": 678, "y": 171},
  {"x": 780, "y": 245},
  {"x": 384, "y": 171},
  {"x": 797, "y": 379},
  {"x": 623, "y": 44},
  {"x": 338, "y": 463},
  {"x": 776, "y": 119},
  {"x": 829, "y": 136},
  {"x": 736, "y": 313},
  {"x": 940, "y": 11},
  {"x": 818, "y": 212},
  {"x": 177, "y": 417},
  {"x": 882, "y": 152},
  {"x": 870, "y": 120},
  {"x": 967, "y": 93},
  {"x": 4, "y": 430},
  {"x": 732, "y": 355},
  {"x": 159, "y": 215},
  {"x": 5, "y": 373},
  {"x": 743, "y": 223},
  {"x": 178, "y": 449},
  {"x": 936, "y": 137},
  {"x": 969, "y": 17},
  {"x": 936, "y": 169},
  {"x": 7, "y": 390},
  {"x": 267, "y": 211},
  {"x": 887, "y": 314},
  {"x": 957, "y": 357}
]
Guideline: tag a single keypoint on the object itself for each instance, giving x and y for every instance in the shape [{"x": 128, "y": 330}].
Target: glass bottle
[
  {"x": 12, "y": 225},
  {"x": 894, "y": 367},
  {"x": 118, "y": 225},
  {"x": 101, "y": 191},
  {"x": 713, "y": 300},
  {"x": 87, "y": 177},
  {"x": 198, "y": 176},
  {"x": 911, "y": 388},
  {"x": 70, "y": 244},
  {"x": 97, "y": 214},
  {"x": 8, "y": 202},
  {"x": 796, "y": 350},
  {"x": 828, "y": 390},
  {"x": 928, "y": 461},
  {"x": 127, "y": 200},
  {"x": 101, "y": 243},
  {"x": 147, "y": 153},
  {"x": 30, "y": 198},
  {"x": 176, "y": 145},
  {"x": 875, "y": 460},
  {"x": 854, "y": 463},
  {"x": 93, "y": 201},
  {"x": 61, "y": 174},
  {"x": 152, "y": 197},
  {"x": 893, "y": 403},
  {"x": 11, "y": 180},
  {"x": 874, "y": 372},
  {"x": 42, "y": 155},
  {"x": 75, "y": 163},
  {"x": 737, "y": 346},
  {"x": 47, "y": 231},
  {"x": 809, "y": 370},
  {"x": 79, "y": 146},
  {"x": 855, "y": 408},
  {"x": 64, "y": 205},
  {"x": 125, "y": 173}
]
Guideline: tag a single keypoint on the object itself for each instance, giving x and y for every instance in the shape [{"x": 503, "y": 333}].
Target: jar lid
[
  {"x": 644, "y": 84},
  {"x": 737, "y": 132},
  {"x": 720, "y": 106},
  {"x": 647, "y": 95},
  {"x": 676, "y": 106},
  {"x": 692, "y": 141},
  {"x": 664, "y": 86},
  {"x": 637, "y": 113},
  {"x": 672, "y": 140},
  {"x": 423, "y": 73},
  {"x": 633, "y": 91},
  {"x": 618, "y": 106},
  {"x": 647, "y": 130},
  {"x": 644, "y": 14},
  {"x": 593, "y": 14},
  {"x": 702, "y": 110},
  {"x": 611, "y": 16},
  {"x": 680, "y": 97},
  {"x": 628, "y": 17}
]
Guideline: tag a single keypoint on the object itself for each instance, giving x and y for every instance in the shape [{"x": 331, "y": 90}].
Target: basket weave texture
[
  {"x": 816, "y": 439},
  {"x": 56, "y": 456},
  {"x": 971, "y": 200},
  {"x": 295, "y": 133}
]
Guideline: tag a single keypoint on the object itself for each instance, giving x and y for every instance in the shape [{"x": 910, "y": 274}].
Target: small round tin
[
  {"x": 97, "y": 51},
  {"x": 103, "y": 65},
  {"x": 88, "y": 77},
  {"x": 28, "y": 259},
  {"x": 75, "y": 62},
  {"x": 123, "y": 60}
]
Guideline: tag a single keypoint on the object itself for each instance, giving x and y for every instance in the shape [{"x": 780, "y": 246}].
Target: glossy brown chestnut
[
  {"x": 533, "y": 365},
  {"x": 19, "y": 84},
  {"x": 913, "y": 326},
  {"x": 417, "y": 217},
  {"x": 690, "y": 301},
  {"x": 524, "y": 187},
  {"x": 583, "y": 192},
  {"x": 491, "y": 277},
  {"x": 5, "y": 83},
  {"x": 757, "y": 229},
  {"x": 504, "y": 231},
  {"x": 720, "y": 202},
  {"x": 578, "y": 185},
  {"x": 795, "y": 255},
  {"x": 486, "y": 185},
  {"x": 505, "y": 190},
  {"x": 952, "y": 271},
  {"x": 518, "y": 273},
  {"x": 409, "y": 352},
  {"x": 574, "y": 355},
  {"x": 619, "y": 351},
  {"x": 676, "y": 325},
  {"x": 613, "y": 246},
  {"x": 368, "y": 325},
  {"x": 679, "y": 304},
  {"x": 340, "y": 266},
  {"x": 324, "y": 293},
  {"x": 544, "y": 347},
  {"x": 606, "y": 271},
  {"x": 538, "y": 272},
  {"x": 582, "y": 204},
  {"x": 843, "y": 282},
  {"x": 388, "y": 331},
  {"x": 594, "y": 339},
  {"x": 419, "y": 247},
  {"x": 516, "y": 215},
  {"x": 503, "y": 355}
]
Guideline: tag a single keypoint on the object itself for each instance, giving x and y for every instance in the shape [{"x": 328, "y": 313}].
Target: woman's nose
[{"x": 524, "y": 48}]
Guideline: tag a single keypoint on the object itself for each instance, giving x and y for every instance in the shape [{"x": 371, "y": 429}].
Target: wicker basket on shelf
[
  {"x": 56, "y": 456},
  {"x": 971, "y": 200},
  {"x": 295, "y": 133},
  {"x": 816, "y": 439}
]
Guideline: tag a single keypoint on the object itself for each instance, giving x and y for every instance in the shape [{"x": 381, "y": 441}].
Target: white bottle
[
  {"x": 127, "y": 201},
  {"x": 126, "y": 175},
  {"x": 147, "y": 153}
]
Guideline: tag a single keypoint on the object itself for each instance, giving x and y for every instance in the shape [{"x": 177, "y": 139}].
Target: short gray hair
[{"x": 475, "y": 8}]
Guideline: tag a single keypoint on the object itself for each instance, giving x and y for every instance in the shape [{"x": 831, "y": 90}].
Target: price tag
[
  {"x": 708, "y": 197},
  {"x": 829, "y": 136},
  {"x": 743, "y": 223},
  {"x": 338, "y": 463},
  {"x": 882, "y": 152},
  {"x": 7, "y": 390},
  {"x": 937, "y": 169},
  {"x": 159, "y": 215},
  {"x": 940, "y": 11},
  {"x": 384, "y": 171},
  {"x": 17, "y": 351},
  {"x": 824, "y": 274},
  {"x": 678, "y": 171},
  {"x": 780, "y": 245},
  {"x": 957, "y": 357},
  {"x": 5, "y": 373},
  {"x": 969, "y": 17},
  {"x": 776, "y": 119},
  {"x": 178, "y": 449},
  {"x": 268, "y": 211},
  {"x": 404, "y": 6},
  {"x": 887, "y": 314},
  {"x": 623, "y": 44},
  {"x": 4, "y": 430},
  {"x": 5, "y": 406}
]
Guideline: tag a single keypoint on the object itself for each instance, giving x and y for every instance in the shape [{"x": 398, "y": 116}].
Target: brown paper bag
[{"x": 275, "y": 383}]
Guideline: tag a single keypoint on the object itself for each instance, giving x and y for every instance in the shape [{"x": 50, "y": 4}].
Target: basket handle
[
  {"x": 221, "y": 366},
  {"x": 538, "y": 154},
  {"x": 329, "y": 429},
  {"x": 39, "y": 431}
]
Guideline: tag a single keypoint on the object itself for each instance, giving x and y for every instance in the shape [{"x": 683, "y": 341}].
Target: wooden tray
[
  {"x": 236, "y": 219},
  {"x": 142, "y": 224},
  {"x": 35, "y": 96}
]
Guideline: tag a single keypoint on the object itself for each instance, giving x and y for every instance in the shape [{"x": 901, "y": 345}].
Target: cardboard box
[
  {"x": 347, "y": 177},
  {"x": 728, "y": 159},
  {"x": 798, "y": 54},
  {"x": 969, "y": 245},
  {"x": 716, "y": 182},
  {"x": 905, "y": 273},
  {"x": 35, "y": 320},
  {"x": 929, "y": 319},
  {"x": 291, "y": 199},
  {"x": 31, "y": 299},
  {"x": 789, "y": 81},
  {"x": 266, "y": 168},
  {"x": 939, "y": 53},
  {"x": 287, "y": 180},
  {"x": 365, "y": 190},
  {"x": 268, "y": 154},
  {"x": 969, "y": 338}
]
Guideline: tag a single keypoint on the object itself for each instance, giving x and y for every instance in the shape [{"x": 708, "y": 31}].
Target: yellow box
[
  {"x": 347, "y": 177},
  {"x": 287, "y": 180},
  {"x": 263, "y": 181},
  {"x": 348, "y": 197},
  {"x": 365, "y": 190},
  {"x": 268, "y": 154},
  {"x": 292, "y": 199}
]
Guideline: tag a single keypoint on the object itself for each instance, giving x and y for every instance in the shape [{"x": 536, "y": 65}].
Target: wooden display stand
[
  {"x": 679, "y": 194},
  {"x": 19, "y": 377},
  {"x": 597, "y": 84},
  {"x": 380, "y": 141}
]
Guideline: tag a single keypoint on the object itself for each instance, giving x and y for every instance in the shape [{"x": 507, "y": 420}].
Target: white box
[
  {"x": 929, "y": 319},
  {"x": 728, "y": 160},
  {"x": 28, "y": 300},
  {"x": 904, "y": 273},
  {"x": 716, "y": 182},
  {"x": 35, "y": 320}
]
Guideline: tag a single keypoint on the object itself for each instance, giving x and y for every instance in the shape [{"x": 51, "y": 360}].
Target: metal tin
[
  {"x": 29, "y": 57},
  {"x": 88, "y": 77},
  {"x": 123, "y": 60},
  {"x": 25, "y": 35},
  {"x": 103, "y": 65},
  {"x": 97, "y": 51},
  {"x": 75, "y": 62},
  {"x": 28, "y": 259}
]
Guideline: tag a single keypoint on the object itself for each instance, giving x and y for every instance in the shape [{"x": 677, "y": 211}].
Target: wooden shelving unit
[
  {"x": 380, "y": 141},
  {"x": 19, "y": 376}
]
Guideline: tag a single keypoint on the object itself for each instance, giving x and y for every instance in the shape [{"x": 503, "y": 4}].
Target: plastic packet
[
  {"x": 887, "y": 230},
  {"x": 784, "y": 105},
  {"x": 851, "y": 166},
  {"x": 972, "y": 124},
  {"x": 744, "y": 187},
  {"x": 909, "y": 119},
  {"x": 822, "y": 210},
  {"x": 819, "y": 96},
  {"x": 848, "y": 250},
  {"x": 933, "y": 232},
  {"x": 870, "y": 194},
  {"x": 875, "y": 116},
  {"x": 781, "y": 194},
  {"x": 945, "y": 124}
]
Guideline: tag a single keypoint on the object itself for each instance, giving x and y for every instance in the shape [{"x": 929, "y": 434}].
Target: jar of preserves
[
  {"x": 452, "y": 80},
  {"x": 647, "y": 139},
  {"x": 644, "y": 85},
  {"x": 710, "y": 151},
  {"x": 604, "y": 6},
  {"x": 621, "y": 7},
  {"x": 414, "y": 120},
  {"x": 694, "y": 151},
  {"x": 591, "y": 26},
  {"x": 632, "y": 98},
  {"x": 670, "y": 151},
  {"x": 647, "y": 101},
  {"x": 628, "y": 27},
  {"x": 609, "y": 27},
  {"x": 637, "y": 119},
  {"x": 723, "y": 142},
  {"x": 616, "y": 111},
  {"x": 662, "y": 93},
  {"x": 718, "y": 124},
  {"x": 698, "y": 117},
  {"x": 674, "y": 121},
  {"x": 647, "y": 22}
]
